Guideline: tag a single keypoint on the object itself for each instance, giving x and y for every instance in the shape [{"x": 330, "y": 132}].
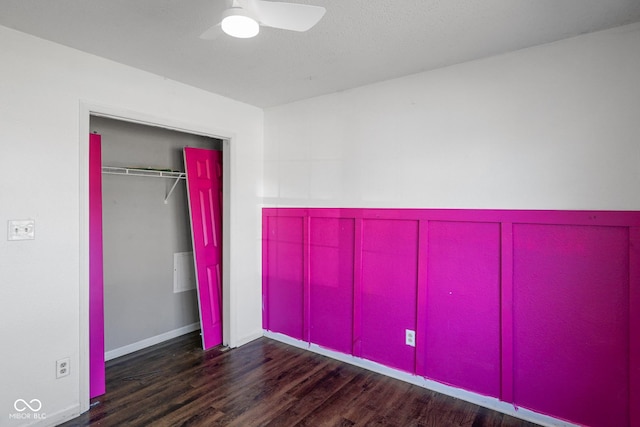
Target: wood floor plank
[
  {"x": 311, "y": 394},
  {"x": 266, "y": 383},
  {"x": 334, "y": 410}
]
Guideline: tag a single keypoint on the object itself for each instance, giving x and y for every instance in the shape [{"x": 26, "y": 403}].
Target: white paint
[
  {"x": 475, "y": 398},
  {"x": 148, "y": 342},
  {"x": 183, "y": 272},
  {"x": 355, "y": 43},
  {"x": 551, "y": 127},
  {"x": 48, "y": 92}
]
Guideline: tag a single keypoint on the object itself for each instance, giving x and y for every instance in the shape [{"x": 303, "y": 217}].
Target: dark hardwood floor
[{"x": 266, "y": 383}]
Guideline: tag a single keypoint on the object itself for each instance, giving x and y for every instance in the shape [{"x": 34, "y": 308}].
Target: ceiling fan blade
[
  {"x": 287, "y": 16},
  {"x": 212, "y": 33}
]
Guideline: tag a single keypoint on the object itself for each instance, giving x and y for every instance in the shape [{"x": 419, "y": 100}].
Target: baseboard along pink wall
[{"x": 535, "y": 308}]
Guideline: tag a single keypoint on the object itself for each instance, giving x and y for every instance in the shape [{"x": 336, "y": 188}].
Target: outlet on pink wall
[
  {"x": 536, "y": 308},
  {"x": 388, "y": 291}
]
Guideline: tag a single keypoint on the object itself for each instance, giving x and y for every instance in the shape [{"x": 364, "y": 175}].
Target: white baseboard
[
  {"x": 248, "y": 338},
  {"x": 50, "y": 420},
  {"x": 475, "y": 398},
  {"x": 148, "y": 342}
]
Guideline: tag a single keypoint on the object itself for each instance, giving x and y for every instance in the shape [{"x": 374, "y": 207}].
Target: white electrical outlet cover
[
  {"x": 62, "y": 367},
  {"x": 21, "y": 229},
  {"x": 410, "y": 337}
]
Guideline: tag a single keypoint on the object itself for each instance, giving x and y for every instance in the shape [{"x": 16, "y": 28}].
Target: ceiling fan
[{"x": 245, "y": 17}]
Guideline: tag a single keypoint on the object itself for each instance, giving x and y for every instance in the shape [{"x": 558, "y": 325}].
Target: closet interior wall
[{"x": 141, "y": 233}]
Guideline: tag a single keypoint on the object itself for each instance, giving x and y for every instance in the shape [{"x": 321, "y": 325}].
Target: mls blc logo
[
  {"x": 21, "y": 405},
  {"x": 27, "y": 410}
]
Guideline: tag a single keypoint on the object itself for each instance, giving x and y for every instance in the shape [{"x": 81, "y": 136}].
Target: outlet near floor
[
  {"x": 410, "y": 337},
  {"x": 62, "y": 367}
]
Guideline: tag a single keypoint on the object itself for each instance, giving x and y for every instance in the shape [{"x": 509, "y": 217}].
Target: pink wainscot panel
[
  {"x": 389, "y": 291},
  {"x": 331, "y": 282},
  {"x": 634, "y": 325},
  {"x": 538, "y": 308},
  {"x": 284, "y": 266},
  {"x": 571, "y": 322},
  {"x": 463, "y": 306}
]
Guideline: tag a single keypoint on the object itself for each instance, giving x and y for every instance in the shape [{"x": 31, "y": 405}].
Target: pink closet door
[
  {"x": 204, "y": 189},
  {"x": 96, "y": 282}
]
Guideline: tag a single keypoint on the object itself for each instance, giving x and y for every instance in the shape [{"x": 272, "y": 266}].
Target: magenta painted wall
[
  {"x": 463, "y": 275},
  {"x": 331, "y": 282},
  {"x": 537, "y": 308},
  {"x": 388, "y": 291},
  {"x": 571, "y": 329},
  {"x": 284, "y": 252}
]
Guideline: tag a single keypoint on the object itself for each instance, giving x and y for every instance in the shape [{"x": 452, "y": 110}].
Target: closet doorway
[{"x": 148, "y": 268}]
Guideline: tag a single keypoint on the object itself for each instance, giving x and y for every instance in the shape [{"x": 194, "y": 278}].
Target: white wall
[
  {"x": 45, "y": 93},
  {"x": 551, "y": 127}
]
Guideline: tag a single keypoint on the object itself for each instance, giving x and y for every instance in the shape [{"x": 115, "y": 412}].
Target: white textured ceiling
[{"x": 356, "y": 43}]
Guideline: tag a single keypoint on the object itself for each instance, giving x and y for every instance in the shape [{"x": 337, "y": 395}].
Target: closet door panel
[
  {"x": 96, "y": 277},
  {"x": 204, "y": 189}
]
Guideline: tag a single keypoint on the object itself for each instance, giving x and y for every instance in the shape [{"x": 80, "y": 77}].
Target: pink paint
[
  {"x": 422, "y": 295},
  {"x": 284, "y": 275},
  {"x": 204, "y": 188},
  {"x": 634, "y": 324},
  {"x": 96, "y": 281},
  {"x": 389, "y": 287},
  {"x": 306, "y": 280},
  {"x": 506, "y": 321},
  {"x": 357, "y": 288},
  {"x": 331, "y": 283},
  {"x": 463, "y": 305},
  {"x": 571, "y": 322},
  {"x": 537, "y": 308}
]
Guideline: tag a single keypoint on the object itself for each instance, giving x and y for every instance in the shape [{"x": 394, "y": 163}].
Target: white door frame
[{"x": 228, "y": 156}]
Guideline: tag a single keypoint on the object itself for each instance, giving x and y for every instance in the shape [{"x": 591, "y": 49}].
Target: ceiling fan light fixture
[{"x": 236, "y": 22}]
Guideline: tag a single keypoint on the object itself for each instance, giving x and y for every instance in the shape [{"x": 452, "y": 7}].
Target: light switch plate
[{"x": 21, "y": 229}]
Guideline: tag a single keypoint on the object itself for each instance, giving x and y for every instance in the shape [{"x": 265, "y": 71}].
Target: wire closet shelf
[{"x": 147, "y": 172}]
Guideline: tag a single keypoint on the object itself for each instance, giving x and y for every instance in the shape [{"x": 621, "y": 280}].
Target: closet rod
[{"x": 153, "y": 173}]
